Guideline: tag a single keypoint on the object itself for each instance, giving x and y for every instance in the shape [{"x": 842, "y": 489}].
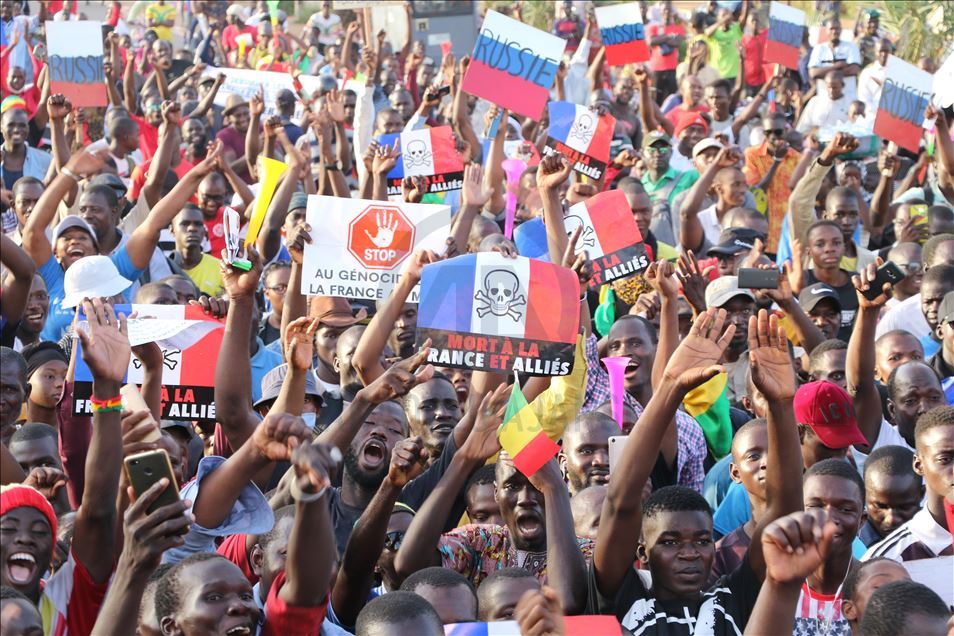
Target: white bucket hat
[{"x": 92, "y": 277}]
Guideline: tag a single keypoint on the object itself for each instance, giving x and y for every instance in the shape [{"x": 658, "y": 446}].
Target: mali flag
[
  {"x": 522, "y": 436},
  {"x": 709, "y": 404}
]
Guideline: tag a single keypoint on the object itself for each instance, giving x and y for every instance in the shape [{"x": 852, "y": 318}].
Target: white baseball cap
[
  {"x": 92, "y": 277},
  {"x": 704, "y": 144},
  {"x": 723, "y": 289}
]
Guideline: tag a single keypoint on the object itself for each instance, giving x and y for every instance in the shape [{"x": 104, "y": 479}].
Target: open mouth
[
  {"x": 529, "y": 524},
  {"x": 76, "y": 252},
  {"x": 374, "y": 453},
  {"x": 239, "y": 630},
  {"x": 33, "y": 316},
  {"x": 20, "y": 568},
  {"x": 631, "y": 369}
]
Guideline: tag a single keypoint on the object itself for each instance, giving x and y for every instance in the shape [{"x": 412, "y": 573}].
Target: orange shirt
[{"x": 758, "y": 161}]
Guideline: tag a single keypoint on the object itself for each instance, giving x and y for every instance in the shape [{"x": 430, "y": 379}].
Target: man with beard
[
  {"x": 627, "y": 120},
  {"x": 893, "y": 492},
  {"x": 913, "y": 390},
  {"x": 700, "y": 228},
  {"x": 585, "y": 454}
]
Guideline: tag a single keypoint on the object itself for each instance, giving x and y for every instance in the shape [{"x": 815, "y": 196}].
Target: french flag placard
[
  {"x": 427, "y": 152},
  {"x": 786, "y": 27},
  {"x": 904, "y": 96},
  {"x": 623, "y": 33},
  {"x": 582, "y": 135},
  {"x": 610, "y": 236},
  {"x": 75, "y": 51},
  {"x": 188, "y": 359},
  {"x": 592, "y": 625},
  {"x": 513, "y": 65},
  {"x": 489, "y": 312}
]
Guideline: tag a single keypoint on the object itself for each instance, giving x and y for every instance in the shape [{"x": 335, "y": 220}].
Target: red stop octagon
[{"x": 380, "y": 237}]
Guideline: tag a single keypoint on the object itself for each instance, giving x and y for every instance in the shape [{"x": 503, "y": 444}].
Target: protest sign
[
  {"x": 609, "y": 236},
  {"x": 530, "y": 237},
  {"x": 362, "y": 245},
  {"x": 572, "y": 626},
  {"x": 786, "y": 28},
  {"x": 582, "y": 135},
  {"x": 492, "y": 313},
  {"x": 75, "y": 51},
  {"x": 513, "y": 65},
  {"x": 936, "y": 574},
  {"x": 904, "y": 96},
  {"x": 623, "y": 33},
  {"x": 944, "y": 82},
  {"x": 189, "y": 352},
  {"x": 430, "y": 153},
  {"x": 246, "y": 82}
]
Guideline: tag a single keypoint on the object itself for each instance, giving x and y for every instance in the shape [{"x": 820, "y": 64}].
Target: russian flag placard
[
  {"x": 426, "y": 152},
  {"x": 610, "y": 236},
  {"x": 623, "y": 33},
  {"x": 582, "y": 135},
  {"x": 75, "y": 51},
  {"x": 904, "y": 96},
  {"x": 489, "y": 312},
  {"x": 514, "y": 65},
  {"x": 786, "y": 28},
  {"x": 188, "y": 359}
]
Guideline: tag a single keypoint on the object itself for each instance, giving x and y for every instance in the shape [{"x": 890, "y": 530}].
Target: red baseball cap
[
  {"x": 690, "y": 118},
  {"x": 829, "y": 411}
]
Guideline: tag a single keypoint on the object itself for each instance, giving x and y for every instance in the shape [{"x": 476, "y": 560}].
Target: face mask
[{"x": 310, "y": 419}]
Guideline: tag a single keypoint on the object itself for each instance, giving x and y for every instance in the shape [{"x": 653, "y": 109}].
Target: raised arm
[
  {"x": 493, "y": 167},
  {"x": 802, "y": 202},
  {"x": 58, "y": 107},
  {"x": 254, "y": 134},
  {"x": 692, "y": 234},
  {"x": 269, "y": 239},
  {"x": 888, "y": 166},
  {"x": 473, "y": 197},
  {"x": 17, "y": 279},
  {"x": 552, "y": 172},
  {"x": 809, "y": 335},
  {"x": 661, "y": 276},
  {"x": 162, "y": 160},
  {"x": 693, "y": 363},
  {"x": 206, "y": 102},
  {"x": 129, "y": 85}
]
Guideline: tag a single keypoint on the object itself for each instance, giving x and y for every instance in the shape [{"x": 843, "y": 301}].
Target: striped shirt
[
  {"x": 819, "y": 614},
  {"x": 920, "y": 538}
]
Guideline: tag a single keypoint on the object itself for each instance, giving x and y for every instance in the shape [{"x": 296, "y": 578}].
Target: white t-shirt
[
  {"x": 822, "y": 112},
  {"x": 710, "y": 224},
  {"x": 905, "y": 315},
  {"x": 328, "y": 28},
  {"x": 888, "y": 435},
  {"x": 824, "y": 55},
  {"x": 869, "y": 86}
]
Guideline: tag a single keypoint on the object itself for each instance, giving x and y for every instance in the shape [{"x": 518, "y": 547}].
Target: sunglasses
[
  {"x": 778, "y": 132},
  {"x": 659, "y": 150},
  {"x": 393, "y": 540}
]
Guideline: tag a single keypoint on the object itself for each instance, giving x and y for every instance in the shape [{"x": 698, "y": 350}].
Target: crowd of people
[{"x": 345, "y": 485}]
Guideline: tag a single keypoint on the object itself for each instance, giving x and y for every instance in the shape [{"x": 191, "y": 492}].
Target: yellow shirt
[
  {"x": 206, "y": 275},
  {"x": 161, "y": 13}
]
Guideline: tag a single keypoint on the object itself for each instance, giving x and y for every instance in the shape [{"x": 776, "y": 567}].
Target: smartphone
[
  {"x": 443, "y": 91},
  {"x": 134, "y": 402},
  {"x": 616, "y": 445},
  {"x": 145, "y": 469},
  {"x": 919, "y": 212},
  {"x": 754, "y": 278},
  {"x": 887, "y": 273}
]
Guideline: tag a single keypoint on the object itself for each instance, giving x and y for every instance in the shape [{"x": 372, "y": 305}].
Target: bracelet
[
  {"x": 302, "y": 497},
  {"x": 72, "y": 175},
  {"x": 108, "y": 402}
]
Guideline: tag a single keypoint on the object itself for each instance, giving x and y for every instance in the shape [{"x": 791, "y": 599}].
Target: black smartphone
[
  {"x": 887, "y": 273},
  {"x": 145, "y": 469},
  {"x": 443, "y": 90},
  {"x": 754, "y": 278}
]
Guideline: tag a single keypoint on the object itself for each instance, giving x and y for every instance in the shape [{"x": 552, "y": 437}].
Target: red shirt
[
  {"x": 677, "y": 112},
  {"x": 148, "y": 137},
  {"x": 658, "y": 61},
  {"x": 282, "y": 618},
  {"x": 753, "y": 68},
  {"x": 230, "y": 37},
  {"x": 216, "y": 230},
  {"x": 139, "y": 175},
  {"x": 233, "y": 549}
]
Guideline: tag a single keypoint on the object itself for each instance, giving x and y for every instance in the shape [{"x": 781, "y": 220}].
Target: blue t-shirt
[
  {"x": 262, "y": 362},
  {"x": 54, "y": 276}
]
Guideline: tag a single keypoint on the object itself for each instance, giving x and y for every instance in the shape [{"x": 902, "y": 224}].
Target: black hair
[
  {"x": 837, "y": 468},
  {"x": 892, "y": 379},
  {"x": 12, "y": 594},
  {"x": 653, "y": 334},
  {"x": 723, "y": 84},
  {"x": 891, "y": 460},
  {"x": 850, "y": 586},
  {"x": 104, "y": 191},
  {"x": 393, "y": 609},
  {"x": 630, "y": 185},
  {"x": 594, "y": 418},
  {"x": 145, "y": 289},
  {"x": 160, "y": 571},
  {"x": 266, "y": 539},
  {"x": 939, "y": 212},
  {"x": 9, "y": 356},
  {"x": 892, "y": 604},
  {"x": 932, "y": 245},
  {"x": 675, "y": 499},
  {"x": 759, "y": 422},
  {"x": 481, "y": 476},
  {"x": 33, "y": 431},
  {"x": 943, "y": 273},
  {"x": 486, "y": 587},
  {"x": 179, "y": 277},
  {"x": 25, "y": 181},
  {"x": 167, "y": 590},
  {"x": 822, "y": 223},
  {"x": 904, "y": 333},
  {"x": 274, "y": 267},
  {"x": 437, "y": 576},
  {"x": 940, "y": 416},
  {"x": 832, "y": 344}
]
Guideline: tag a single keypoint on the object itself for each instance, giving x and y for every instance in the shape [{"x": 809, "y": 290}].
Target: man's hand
[
  {"x": 579, "y": 263},
  {"x": 539, "y": 613},
  {"x": 413, "y": 189},
  {"x": 548, "y": 477},
  {"x": 210, "y": 164},
  {"x": 795, "y": 545},
  {"x": 432, "y": 96},
  {"x": 482, "y": 441},
  {"x": 728, "y": 157},
  {"x": 400, "y": 378},
  {"x": 106, "y": 348},
  {"x": 417, "y": 262},
  {"x": 694, "y": 281},
  {"x": 295, "y": 242},
  {"x": 578, "y": 192},
  {"x": 47, "y": 480},
  {"x": 863, "y": 281},
  {"x": 149, "y": 535},
  {"x": 660, "y": 276},
  {"x": 298, "y": 340},
  {"x": 273, "y": 123},
  {"x": 385, "y": 158},
  {"x": 641, "y": 76},
  {"x": 772, "y": 370},
  {"x": 239, "y": 283},
  {"x": 138, "y": 427},
  {"x": 315, "y": 466},
  {"x": 842, "y": 144},
  {"x": 407, "y": 461},
  {"x": 626, "y": 158},
  {"x": 474, "y": 193},
  {"x": 256, "y": 105},
  {"x": 278, "y": 435},
  {"x": 552, "y": 172},
  {"x": 696, "y": 359},
  {"x": 913, "y": 232},
  {"x": 888, "y": 165},
  {"x": 58, "y": 107},
  {"x": 335, "y": 103},
  {"x": 171, "y": 113},
  {"x": 85, "y": 163},
  {"x": 215, "y": 307}
]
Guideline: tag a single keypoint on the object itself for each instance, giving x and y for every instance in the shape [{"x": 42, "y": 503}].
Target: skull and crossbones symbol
[
  {"x": 169, "y": 359},
  {"x": 583, "y": 129},
  {"x": 416, "y": 154},
  {"x": 499, "y": 295},
  {"x": 587, "y": 238}
]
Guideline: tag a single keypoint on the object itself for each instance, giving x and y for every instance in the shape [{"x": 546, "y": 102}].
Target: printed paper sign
[
  {"x": 936, "y": 574},
  {"x": 623, "y": 33},
  {"x": 786, "y": 28},
  {"x": 362, "y": 246},
  {"x": 581, "y": 135},
  {"x": 513, "y": 65},
  {"x": 246, "y": 82},
  {"x": 610, "y": 236},
  {"x": 492, "y": 313},
  {"x": 188, "y": 374},
  {"x": 75, "y": 51},
  {"x": 573, "y": 626},
  {"x": 430, "y": 153},
  {"x": 904, "y": 96},
  {"x": 944, "y": 82}
]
